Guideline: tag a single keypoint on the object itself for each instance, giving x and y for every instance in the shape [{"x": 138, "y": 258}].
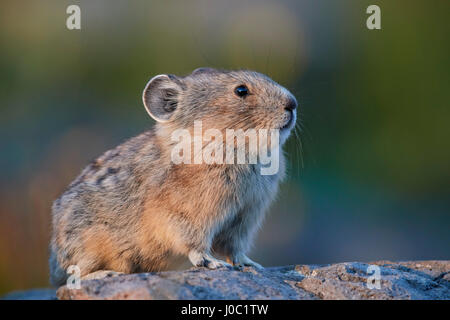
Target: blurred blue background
[{"x": 369, "y": 176}]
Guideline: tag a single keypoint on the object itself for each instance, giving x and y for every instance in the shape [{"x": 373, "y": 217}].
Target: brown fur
[{"x": 133, "y": 210}]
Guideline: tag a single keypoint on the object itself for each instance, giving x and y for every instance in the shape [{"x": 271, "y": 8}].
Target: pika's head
[{"x": 221, "y": 100}]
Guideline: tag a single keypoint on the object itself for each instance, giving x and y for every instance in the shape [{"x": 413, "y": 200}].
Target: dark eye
[{"x": 241, "y": 91}]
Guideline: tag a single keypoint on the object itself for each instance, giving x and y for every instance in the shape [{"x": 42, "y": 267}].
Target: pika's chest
[
  {"x": 207, "y": 190},
  {"x": 248, "y": 187}
]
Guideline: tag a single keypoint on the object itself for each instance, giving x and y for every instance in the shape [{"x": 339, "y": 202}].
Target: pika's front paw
[
  {"x": 200, "y": 259},
  {"x": 241, "y": 260}
]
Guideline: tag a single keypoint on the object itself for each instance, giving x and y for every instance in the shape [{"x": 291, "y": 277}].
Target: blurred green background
[{"x": 369, "y": 177}]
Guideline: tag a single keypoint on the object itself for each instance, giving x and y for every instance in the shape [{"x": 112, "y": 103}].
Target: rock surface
[
  {"x": 398, "y": 280},
  {"x": 404, "y": 280}
]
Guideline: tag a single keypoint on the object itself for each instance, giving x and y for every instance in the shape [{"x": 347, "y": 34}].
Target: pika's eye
[{"x": 241, "y": 91}]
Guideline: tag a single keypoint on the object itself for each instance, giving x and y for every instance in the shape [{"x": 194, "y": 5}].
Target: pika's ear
[{"x": 161, "y": 96}]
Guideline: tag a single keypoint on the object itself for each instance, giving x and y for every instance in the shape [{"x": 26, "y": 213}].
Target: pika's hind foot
[{"x": 203, "y": 259}]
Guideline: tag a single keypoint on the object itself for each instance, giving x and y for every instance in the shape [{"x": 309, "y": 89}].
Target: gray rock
[
  {"x": 398, "y": 280},
  {"x": 402, "y": 280}
]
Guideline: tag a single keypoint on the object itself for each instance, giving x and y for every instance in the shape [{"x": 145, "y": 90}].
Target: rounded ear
[{"x": 160, "y": 97}]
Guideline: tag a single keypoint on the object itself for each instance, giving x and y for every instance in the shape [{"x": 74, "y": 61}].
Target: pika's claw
[
  {"x": 199, "y": 259},
  {"x": 243, "y": 261}
]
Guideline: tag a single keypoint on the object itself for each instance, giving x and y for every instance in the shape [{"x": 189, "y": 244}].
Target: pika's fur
[{"x": 134, "y": 210}]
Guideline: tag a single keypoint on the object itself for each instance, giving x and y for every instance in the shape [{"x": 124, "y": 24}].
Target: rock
[{"x": 398, "y": 280}]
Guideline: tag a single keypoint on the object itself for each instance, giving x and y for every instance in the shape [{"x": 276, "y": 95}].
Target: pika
[{"x": 134, "y": 210}]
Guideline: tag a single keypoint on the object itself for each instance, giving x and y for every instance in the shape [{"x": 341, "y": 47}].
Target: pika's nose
[{"x": 291, "y": 104}]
